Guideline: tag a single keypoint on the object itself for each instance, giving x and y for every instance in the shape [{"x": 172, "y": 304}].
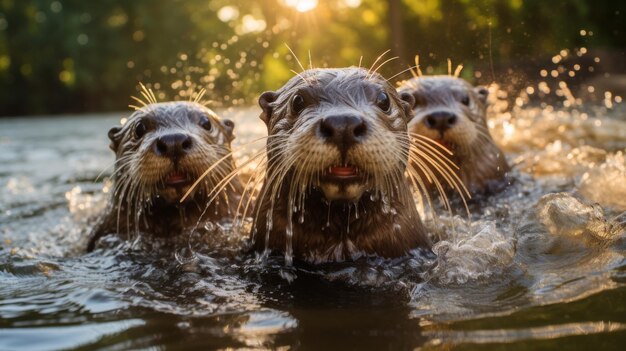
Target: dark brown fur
[
  {"x": 142, "y": 200},
  {"x": 336, "y": 222}
]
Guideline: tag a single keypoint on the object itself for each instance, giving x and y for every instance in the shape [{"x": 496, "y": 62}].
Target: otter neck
[
  {"x": 320, "y": 231},
  {"x": 165, "y": 219}
]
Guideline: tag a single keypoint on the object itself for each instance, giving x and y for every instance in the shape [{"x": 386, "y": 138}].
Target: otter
[
  {"x": 334, "y": 186},
  {"x": 452, "y": 112},
  {"x": 160, "y": 151}
]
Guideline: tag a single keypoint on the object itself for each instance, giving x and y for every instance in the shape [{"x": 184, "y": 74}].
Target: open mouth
[
  {"x": 342, "y": 173},
  {"x": 176, "y": 179}
]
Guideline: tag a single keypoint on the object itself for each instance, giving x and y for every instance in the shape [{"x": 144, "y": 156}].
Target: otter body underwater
[
  {"x": 337, "y": 154},
  {"x": 160, "y": 151},
  {"x": 453, "y": 112}
]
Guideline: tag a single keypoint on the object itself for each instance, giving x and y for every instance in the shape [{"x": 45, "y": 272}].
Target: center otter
[{"x": 335, "y": 186}]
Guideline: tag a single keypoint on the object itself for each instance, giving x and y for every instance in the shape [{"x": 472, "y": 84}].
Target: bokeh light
[{"x": 302, "y": 5}]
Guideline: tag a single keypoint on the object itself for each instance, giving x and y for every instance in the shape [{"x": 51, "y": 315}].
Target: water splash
[
  {"x": 472, "y": 252},
  {"x": 606, "y": 183}
]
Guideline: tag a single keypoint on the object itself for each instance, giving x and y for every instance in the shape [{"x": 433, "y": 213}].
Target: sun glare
[{"x": 302, "y": 5}]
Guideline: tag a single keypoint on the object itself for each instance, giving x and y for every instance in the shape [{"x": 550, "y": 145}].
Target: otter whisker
[
  {"x": 227, "y": 178},
  {"x": 116, "y": 163},
  {"x": 430, "y": 150},
  {"x": 148, "y": 98},
  {"x": 310, "y": 61},
  {"x": 249, "y": 191},
  {"x": 300, "y": 75},
  {"x": 440, "y": 162},
  {"x": 210, "y": 201},
  {"x": 376, "y": 61},
  {"x": 143, "y": 103},
  {"x": 275, "y": 182},
  {"x": 216, "y": 164},
  {"x": 457, "y": 71},
  {"x": 417, "y": 67},
  {"x": 255, "y": 176},
  {"x": 119, "y": 207},
  {"x": 271, "y": 188},
  {"x": 199, "y": 96},
  {"x": 148, "y": 94},
  {"x": 382, "y": 64},
  {"x": 449, "y": 174},
  {"x": 418, "y": 159},
  {"x": 419, "y": 185},
  {"x": 295, "y": 57},
  {"x": 425, "y": 169},
  {"x": 432, "y": 142},
  {"x": 401, "y": 72}
]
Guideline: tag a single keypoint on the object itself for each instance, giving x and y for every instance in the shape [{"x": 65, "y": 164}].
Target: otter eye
[
  {"x": 382, "y": 101},
  {"x": 229, "y": 123},
  {"x": 297, "y": 103},
  {"x": 206, "y": 124},
  {"x": 465, "y": 100},
  {"x": 140, "y": 130}
]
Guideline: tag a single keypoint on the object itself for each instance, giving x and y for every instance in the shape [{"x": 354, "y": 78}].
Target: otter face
[
  {"x": 449, "y": 111},
  {"x": 164, "y": 147},
  {"x": 342, "y": 131}
]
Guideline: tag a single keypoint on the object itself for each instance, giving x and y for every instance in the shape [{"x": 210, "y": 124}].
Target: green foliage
[{"x": 77, "y": 55}]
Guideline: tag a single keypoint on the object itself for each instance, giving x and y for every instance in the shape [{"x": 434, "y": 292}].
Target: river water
[{"x": 540, "y": 265}]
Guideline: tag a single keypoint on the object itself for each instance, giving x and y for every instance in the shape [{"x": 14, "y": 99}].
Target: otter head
[
  {"x": 342, "y": 131},
  {"x": 449, "y": 110},
  {"x": 164, "y": 147}
]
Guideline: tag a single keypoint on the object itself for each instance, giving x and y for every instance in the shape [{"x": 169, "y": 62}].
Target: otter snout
[
  {"x": 440, "y": 120},
  {"x": 173, "y": 146},
  {"x": 342, "y": 130}
]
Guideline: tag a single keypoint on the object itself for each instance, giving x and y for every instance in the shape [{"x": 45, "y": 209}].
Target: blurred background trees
[{"x": 77, "y": 56}]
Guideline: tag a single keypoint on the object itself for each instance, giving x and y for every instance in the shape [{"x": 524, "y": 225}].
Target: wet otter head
[
  {"x": 448, "y": 110},
  {"x": 452, "y": 112},
  {"x": 160, "y": 151},
  {"x": 337, "y": 152},
  {"x": 164, "y": 147},
  {"x": 337, "y": 130}
]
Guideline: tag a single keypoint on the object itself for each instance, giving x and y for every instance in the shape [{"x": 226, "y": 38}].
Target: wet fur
[
  {"x": 326, "y": 230},
  {"x": 482, "y": 165},
  {"x": 140, "y": 202}
]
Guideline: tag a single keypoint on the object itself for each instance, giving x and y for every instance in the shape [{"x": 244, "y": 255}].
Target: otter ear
[
  {"x": 115, "y": 134},
  {"x": 408, "y": 103},
  {"x": 265, "y": 101},
  {"x": 229, "y": 127},
  {"x": 483, "y": 93}
]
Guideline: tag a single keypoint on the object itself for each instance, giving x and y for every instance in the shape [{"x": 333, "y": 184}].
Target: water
[{"x": 539, "y": 266}]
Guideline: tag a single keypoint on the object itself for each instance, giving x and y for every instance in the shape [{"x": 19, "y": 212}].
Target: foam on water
[
  {"x": 606, "y": 184},
  {"x": 472, "y": 252}
]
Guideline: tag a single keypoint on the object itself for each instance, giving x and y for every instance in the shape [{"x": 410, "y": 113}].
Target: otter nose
[
  {"x": 342, "y": 130},
  {"x": 440, "y": 121},
  {"x": 173, "y": 145}
]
